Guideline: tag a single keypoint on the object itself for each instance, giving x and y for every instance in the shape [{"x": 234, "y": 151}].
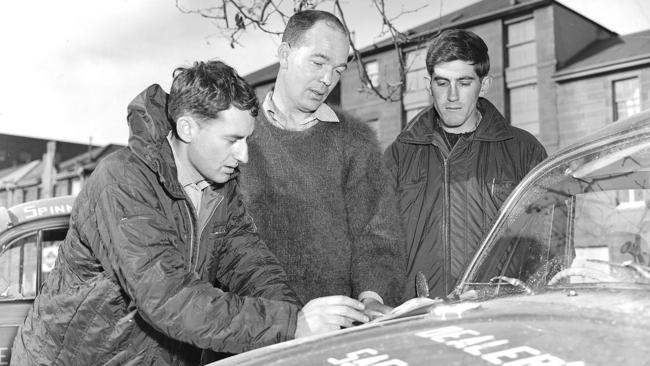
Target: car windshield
[{"x": 583, "y": 222}]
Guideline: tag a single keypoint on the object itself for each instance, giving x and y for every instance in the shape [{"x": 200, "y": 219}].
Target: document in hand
[{"x": 414, "y": 306}]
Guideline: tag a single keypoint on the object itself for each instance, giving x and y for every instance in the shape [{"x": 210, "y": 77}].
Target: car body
[
  {"x": 30, "y": 235},
  {"x": 561, "y": 278}
]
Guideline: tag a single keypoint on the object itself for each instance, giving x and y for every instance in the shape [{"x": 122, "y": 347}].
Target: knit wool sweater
[{"x": 322, "y": 204}]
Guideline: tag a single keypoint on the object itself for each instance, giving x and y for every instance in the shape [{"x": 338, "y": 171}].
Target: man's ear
[
  {"x": 485, "y": 85},
  {"x": 283, "y": 54},
  {"x": 185, "y": 128}
]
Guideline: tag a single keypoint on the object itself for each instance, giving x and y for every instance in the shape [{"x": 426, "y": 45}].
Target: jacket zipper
[
  {"x": 194, "y": 249},
  {"x": 214, "y": 208},
  {"x": 446, "y": 260},
  {"x": 193, "y": 216}
]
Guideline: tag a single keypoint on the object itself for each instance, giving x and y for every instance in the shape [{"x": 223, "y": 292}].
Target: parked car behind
[
  {"x": 561, "y": 278},
  {"x": 30, "y": 234}
]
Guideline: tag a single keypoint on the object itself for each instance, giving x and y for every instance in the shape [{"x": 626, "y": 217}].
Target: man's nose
[
  {"x": 452, "y": 94},
  {"x": 241, "y": 152},
  {"x": 326, "y": 77}
]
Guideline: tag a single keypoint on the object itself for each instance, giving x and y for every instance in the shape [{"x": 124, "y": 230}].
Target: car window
[
  {"x": 18, "y": 268},
  {"x": 586, "y": 221},
  {"x": 51, "y": 241},
  {"x": 19, "y": 263}
]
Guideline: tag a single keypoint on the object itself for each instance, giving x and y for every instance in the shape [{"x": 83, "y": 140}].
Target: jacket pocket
[{"x": 500, "y": 190}]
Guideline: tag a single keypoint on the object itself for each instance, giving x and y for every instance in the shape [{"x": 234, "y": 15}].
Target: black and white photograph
[{"x": 325, "y": 182}]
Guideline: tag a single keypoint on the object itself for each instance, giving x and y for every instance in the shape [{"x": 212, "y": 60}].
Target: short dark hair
[
  {"x": 459, "y": 44},
  {"x": 207, "y": 88},
  {"x": 302, "y": 21}
]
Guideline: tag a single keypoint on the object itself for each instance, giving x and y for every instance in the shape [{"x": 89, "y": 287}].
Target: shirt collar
[
  {"x": 324, "y": 113},
  {"x": 186, "y": 177}
]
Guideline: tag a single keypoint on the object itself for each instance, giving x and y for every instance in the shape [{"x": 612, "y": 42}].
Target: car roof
[{"x": 35, "y": 210}]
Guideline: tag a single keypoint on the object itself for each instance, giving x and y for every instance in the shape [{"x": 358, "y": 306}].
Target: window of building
[
  {"x": 521, "y": 74},
  {"x": 75, "y": 187},
  {"x": 416, "y": 70},
  {"x": 3, "y": 155},
  {"x": 19, "y": 196},
  {"x": 24, "y": 157},
  {"x": 522, "y": 50},
  {"x": 31, "y": 193},
  {"x": 627, "y": 97},
  {"x": 524, "y": 112},
  {"x": 631, "y": 198},
  {"x": 372, "y": 69},
  {"x": 62, "y": 187}
]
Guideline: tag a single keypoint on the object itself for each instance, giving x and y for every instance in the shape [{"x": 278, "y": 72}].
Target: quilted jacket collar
[
  {"x": 423, "y": 128},
  {"x": 148, "y": 127}
]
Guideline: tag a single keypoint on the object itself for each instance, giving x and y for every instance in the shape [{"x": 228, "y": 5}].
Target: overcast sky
[{"x": 71, "y": 66}]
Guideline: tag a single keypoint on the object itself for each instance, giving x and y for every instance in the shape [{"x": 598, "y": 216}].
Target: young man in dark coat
[
  {"x": 455, "y": 163},
  {"x": 157, "y": 224},
  {"x": 316, "y": 184}
]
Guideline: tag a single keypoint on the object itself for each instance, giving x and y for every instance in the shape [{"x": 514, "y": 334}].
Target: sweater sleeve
[{"x": 378, "y": 250}]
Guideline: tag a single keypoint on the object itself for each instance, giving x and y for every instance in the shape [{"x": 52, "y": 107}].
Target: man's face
[
  {"x": 219, "y": 145},
  {"x": 312, "y": 68},
  {"x": 455, "y": 88}
]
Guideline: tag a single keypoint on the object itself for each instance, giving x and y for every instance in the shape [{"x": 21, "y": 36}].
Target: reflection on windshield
[{"x": 585, "y": 221}]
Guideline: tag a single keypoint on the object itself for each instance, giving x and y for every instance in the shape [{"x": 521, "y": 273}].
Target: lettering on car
[
  {"x": 33, "y": 211},
  {"x": 366, "y": 357},
  {"x": 486, "y": 347}
]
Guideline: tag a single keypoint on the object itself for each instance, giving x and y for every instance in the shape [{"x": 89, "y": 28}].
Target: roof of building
[
  {"x": 608, "y": 54},
  {"x": 88, "y": 160},
  {"x": 11, "y": 176},
  {"x": 30, "y": 173}
]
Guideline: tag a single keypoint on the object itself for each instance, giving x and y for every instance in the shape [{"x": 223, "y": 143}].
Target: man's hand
[
  {"x": 374, "y": 308},
  {"x": 326, "y": 314}
]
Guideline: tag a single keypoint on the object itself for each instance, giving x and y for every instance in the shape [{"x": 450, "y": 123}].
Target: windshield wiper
[{"x": 644, "y": 271}]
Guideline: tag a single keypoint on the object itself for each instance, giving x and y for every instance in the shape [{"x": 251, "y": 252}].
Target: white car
[{"x": 562, "y": 277}]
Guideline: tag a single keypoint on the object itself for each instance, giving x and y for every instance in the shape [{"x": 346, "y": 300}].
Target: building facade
[
  {"x": 556, "y": 73},
  {"x": 48, "y": 177}
]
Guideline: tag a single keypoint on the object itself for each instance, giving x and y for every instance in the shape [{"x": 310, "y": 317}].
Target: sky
[{"x": 72, "y": 66}]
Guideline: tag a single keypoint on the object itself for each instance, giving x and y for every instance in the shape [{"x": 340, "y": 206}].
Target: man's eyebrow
[
  {"x": 462, "y": 78},
  {"x": 327, "y": 58},
  {"x": 322, "y": 55}
]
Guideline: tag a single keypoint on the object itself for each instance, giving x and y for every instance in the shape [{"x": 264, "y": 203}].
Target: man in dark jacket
[
  {"x": 316, "y": 185},
  {"x": 154, "y": 227},
  {"x": 455, "y": 163}
]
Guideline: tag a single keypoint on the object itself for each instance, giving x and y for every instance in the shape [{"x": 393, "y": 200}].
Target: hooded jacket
[
  {"x": 132, "y": 284},
  {"x": 448, "y": 199}
]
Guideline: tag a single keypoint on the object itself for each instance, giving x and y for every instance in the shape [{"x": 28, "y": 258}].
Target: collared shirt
[
  {"x": 192, "y": 183},
  {"x": 323, "y": 114}
]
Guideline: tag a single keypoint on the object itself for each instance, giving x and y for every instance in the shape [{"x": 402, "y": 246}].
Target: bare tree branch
[{"x": 244, "y": 15}]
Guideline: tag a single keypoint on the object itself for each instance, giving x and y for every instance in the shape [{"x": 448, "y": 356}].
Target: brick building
[{"x": 556, "y": 73}]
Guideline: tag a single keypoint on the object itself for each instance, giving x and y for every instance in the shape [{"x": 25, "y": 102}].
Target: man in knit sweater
[{"x": 315, "y": 183}]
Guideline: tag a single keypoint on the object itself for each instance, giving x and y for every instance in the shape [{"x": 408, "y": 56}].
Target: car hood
[{"x": 582, "y": 327}]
